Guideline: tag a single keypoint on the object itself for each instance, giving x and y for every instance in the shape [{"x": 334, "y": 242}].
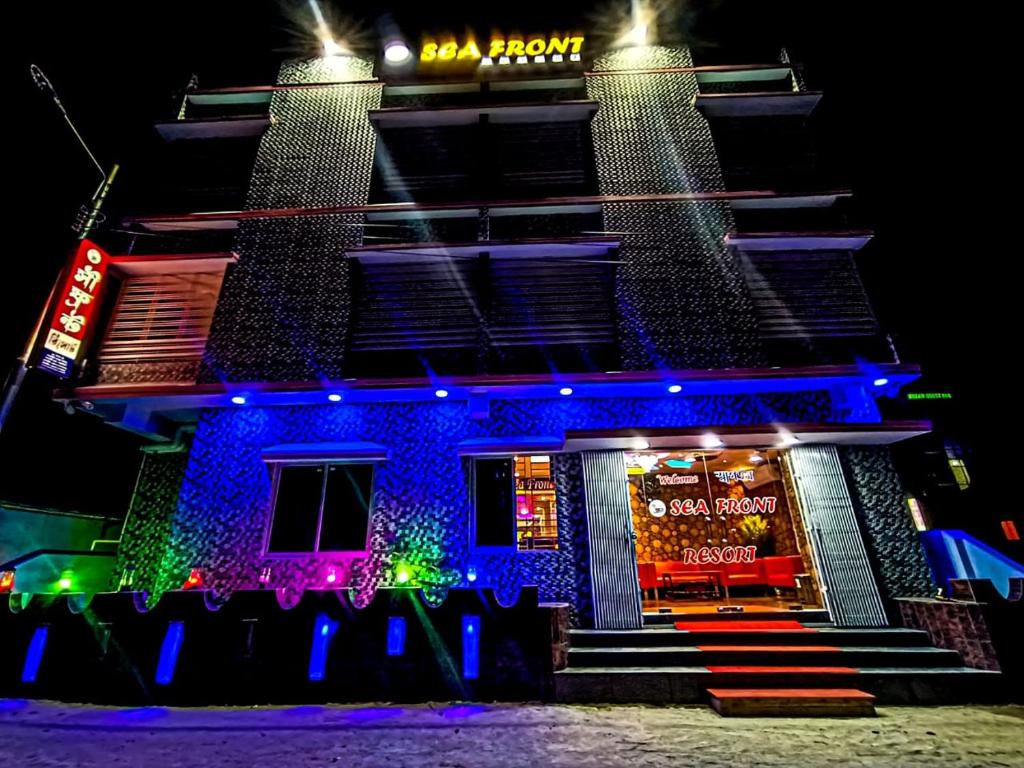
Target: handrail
[
  {"x": 537, "y": 202},
  {"x": 22, "y": 559},
  {"x": 374, "y": 81}
]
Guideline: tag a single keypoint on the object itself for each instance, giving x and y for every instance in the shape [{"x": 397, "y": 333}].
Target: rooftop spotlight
[
  {"x": 64, "y": 582},
  {"x": 238, "y": 399},
  {"x": 639, "y": 33},
  {"x": 397, "y": 52},
  {"x": 441, "y": 393},
  {"x": 332, "y": 48},
  {"x": 334, "y": 397},
  {"x": 640, "y": 444},
  {"x": 565, "y": 391},
  {"x": 881, "y": 382},
  {"x": 675, "y": 388}
]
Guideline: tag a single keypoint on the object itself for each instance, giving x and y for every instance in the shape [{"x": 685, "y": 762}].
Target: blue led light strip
[
  {"x": 169, "y": 650},
  {"x": 34, "y": 655},
  {"x": 396, "y": 636},
  {"x": 470, "y": 647},
  {"x": 323, "y": 631}
]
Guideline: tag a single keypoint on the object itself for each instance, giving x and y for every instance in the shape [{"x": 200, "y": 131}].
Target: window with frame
[
  {"x": 515, "y": 503},
  {"x": 323, "y": 507}
]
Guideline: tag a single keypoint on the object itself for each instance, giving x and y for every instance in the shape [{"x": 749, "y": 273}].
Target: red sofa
[{"x": 777, "y": 571}]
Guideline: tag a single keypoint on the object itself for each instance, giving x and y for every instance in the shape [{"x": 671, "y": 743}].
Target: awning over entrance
[{"x": 777, "y": 435}]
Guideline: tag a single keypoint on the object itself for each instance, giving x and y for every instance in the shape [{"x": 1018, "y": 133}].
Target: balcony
[{"x": 159, "y": 319}]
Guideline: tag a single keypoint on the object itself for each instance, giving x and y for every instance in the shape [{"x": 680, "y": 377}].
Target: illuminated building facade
[{"x": 522, "y": 312}]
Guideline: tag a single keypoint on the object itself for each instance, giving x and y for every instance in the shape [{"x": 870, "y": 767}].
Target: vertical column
[
  {"x": 681, "y": 298},
  {"x": 284, "y": 309},
  {"x": 837, "y": 546},
  {"x": 616, "y": 592}
]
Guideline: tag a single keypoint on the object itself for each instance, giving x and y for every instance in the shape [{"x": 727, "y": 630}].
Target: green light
[
  {"x": 64, "y": 582},
  {"x": 929, "y": 395},
  {"x": 402, "y": 574}
]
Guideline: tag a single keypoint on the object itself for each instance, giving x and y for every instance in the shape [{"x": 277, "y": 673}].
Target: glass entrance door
[{"x": 718, "y": 528}]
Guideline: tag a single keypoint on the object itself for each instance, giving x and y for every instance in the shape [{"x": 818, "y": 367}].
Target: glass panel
[
  {"x": 296, "y": 509},
  {"x": 717, "y": 527},
  {"x": 536, "y": 514},
  {"x": 495, "y": 500},
  {"x": 346, "y": 508}
]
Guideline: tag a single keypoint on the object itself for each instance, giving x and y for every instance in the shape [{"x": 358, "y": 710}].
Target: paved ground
[{"x": 473, "y": 736}]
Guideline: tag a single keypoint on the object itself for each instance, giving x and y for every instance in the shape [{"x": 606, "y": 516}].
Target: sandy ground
[{"x": 473, "y": 736}]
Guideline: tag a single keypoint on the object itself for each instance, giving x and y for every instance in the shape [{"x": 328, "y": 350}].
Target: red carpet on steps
[
  {"x": 742, "y": 626},
  {"x": 784, "y": 670}
]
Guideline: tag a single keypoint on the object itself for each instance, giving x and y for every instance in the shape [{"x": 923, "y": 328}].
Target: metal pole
[{"x": 16, "y": 377}]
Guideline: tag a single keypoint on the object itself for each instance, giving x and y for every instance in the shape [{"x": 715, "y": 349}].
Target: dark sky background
[{"x": 908, "y": 87}]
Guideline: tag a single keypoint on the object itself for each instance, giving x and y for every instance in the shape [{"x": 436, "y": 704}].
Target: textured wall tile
[
  {"x": 893, "y": 544},
  {"x": 422, "y": 498},
  {"x": 681, "y": 298}
]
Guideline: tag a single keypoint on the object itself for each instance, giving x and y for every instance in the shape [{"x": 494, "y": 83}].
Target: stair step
[
  {"x": 742, "y": 626},
  {"x": 805, "y": 617},
  {"x": 751, "y": 670},
  {"x": 592, "y": 638},
  {"x": 792, "y": 702},
  {"x": 763, "y": 655},
  {"x": 687, "y": 684}
]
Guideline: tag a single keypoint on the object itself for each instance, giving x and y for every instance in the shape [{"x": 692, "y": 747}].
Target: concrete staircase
[{"x": 772, "y": 660}]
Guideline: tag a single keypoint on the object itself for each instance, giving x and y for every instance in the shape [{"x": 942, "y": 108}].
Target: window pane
[
  {"x": 346, "y": 507},
  {"x": 536, "y": 514},
  {"x": 495, "y": 502},
  {"x": 296, "y": 509}
]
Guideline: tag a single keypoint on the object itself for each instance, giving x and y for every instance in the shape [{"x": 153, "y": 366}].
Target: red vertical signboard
[{"x": 76, "y": 305}]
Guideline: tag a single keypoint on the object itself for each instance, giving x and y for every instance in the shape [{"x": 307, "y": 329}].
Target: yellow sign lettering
[
  {"x": 536, "y": 46},
  {"x": 558, "y": 45},
  {"x": 504, "y": 51},
  {"x": 469, "y": 51}
]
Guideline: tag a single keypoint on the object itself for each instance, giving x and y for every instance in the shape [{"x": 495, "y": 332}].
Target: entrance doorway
[{"x": 719, "y": 530}]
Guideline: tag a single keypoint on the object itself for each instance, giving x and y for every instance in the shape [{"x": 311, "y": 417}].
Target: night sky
[{"x": 900, "y": 125}]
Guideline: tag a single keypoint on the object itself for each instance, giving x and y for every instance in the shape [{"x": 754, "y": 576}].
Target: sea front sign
[
  {"x": 500, "y": 50},
  {"x": 758, "y": 505}
]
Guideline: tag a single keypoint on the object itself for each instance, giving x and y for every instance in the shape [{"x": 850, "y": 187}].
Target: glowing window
[
  {"x": 536, "y": 509},
  {"x": 515, "y": 503}
]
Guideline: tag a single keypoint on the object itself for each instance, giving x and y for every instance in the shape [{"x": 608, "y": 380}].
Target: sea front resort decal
[{"x": 501, "y": 51}]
